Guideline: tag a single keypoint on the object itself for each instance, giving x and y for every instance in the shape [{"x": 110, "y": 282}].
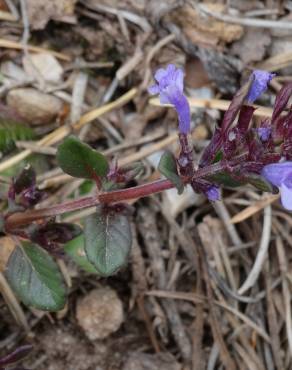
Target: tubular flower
[
  {"x": 213, "y": 193},
  {"x": 170, "y": 86},
  {"x": 259, "y": 85},
  {"x": 280, "y": 175},
  {"x": 264, "y": 133}
]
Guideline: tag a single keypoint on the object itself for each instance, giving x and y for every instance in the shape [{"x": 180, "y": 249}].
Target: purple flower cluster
[
  {"x": 259, "y": 143},
  {"x": 170, "y": 87}
]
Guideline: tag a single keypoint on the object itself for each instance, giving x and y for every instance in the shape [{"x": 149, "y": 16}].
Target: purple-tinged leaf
[
  {"x": 23, "y": 191},
  {"x": 221, "y": 133},
  {"x": 287, "y": 148},
  {"x": 19, "y": 354},
  {"x": 53, "y": 233},
  {"x": 235, "y": 106},
  {"x": 30, "y": 197},
  {"x": 282, "y": 100},
  {"x": 26, "y": 179},
  {"x": 211, "y": 150},
  {"x": 124, "y": 174},
  {"x": 245, "y": 116}
]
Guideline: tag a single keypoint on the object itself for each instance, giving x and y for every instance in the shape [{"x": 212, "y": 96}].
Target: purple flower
[
  {"x": 264, "y": 133},
  {"x": 259, "y": 85},
  {"x": 213, "y": 193},
  {"x": 280, "y": 175},
  {"x": 170, "y": 89}
]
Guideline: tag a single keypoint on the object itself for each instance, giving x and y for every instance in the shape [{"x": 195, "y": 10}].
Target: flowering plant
[{"x": 237, "y": 154}]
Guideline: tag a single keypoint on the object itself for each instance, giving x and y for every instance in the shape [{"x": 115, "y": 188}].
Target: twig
[
  {"x": 36, "y": 148},
  {"x": 192, "y": 297},
  {"x": 6, "y": 16},
  {"x": 252, "y": 22},
  {"x": 286, "y": 291},
  {"x": 223, "y": 213},
  {"x": 272, "y": 320},
  {"x": 276, "y": 62},
  {"x": 12, "y": 302},
  {"x": 78, "y": 95},
  {"x": 151, "y": 237},
  {"x": 132, "y": 17},
  {"x": 254, "y": 208},
  {"x": 140, "y": 283},
  {"x": 13, "y": 9},
  {"x": 216, "y": 104},
  {"x": 130, "y": 64},
  {"x": 215, "y": 327},
  {"x": 88, "y": 65},
  {"x": 16, "y": 45},
  {"x": 262, "y": 252}
]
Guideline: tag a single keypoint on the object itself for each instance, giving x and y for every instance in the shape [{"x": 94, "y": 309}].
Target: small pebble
[
  {"x": 34, "y": 106},
  {"x": 100, "y": 313}
]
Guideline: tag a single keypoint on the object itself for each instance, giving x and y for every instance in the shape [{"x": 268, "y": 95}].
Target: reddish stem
[{"x": 23, "y": 218}]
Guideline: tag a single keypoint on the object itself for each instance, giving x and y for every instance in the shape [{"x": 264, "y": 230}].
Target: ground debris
[
  {"x": 143, "y": 361},
  {"x": 41, "y": 11}
]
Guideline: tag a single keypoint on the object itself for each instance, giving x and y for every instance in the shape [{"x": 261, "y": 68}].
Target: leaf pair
[{"x": 107, "y": 232}]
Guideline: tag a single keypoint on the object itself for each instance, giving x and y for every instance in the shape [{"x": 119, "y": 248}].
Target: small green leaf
[
  {"x": 218, "y": 156},
  {"x": 75, "y": 249},
  {"x": 260, "y": 183},
  {"x": 11, "y": 131},
  {"x": 224, "y": 178},
  {"x": 107, "y": 240},
  {"x": 167, "y": 166},
  {"x": 79, "y": 160},
  {"x": 35, "y": 278}
]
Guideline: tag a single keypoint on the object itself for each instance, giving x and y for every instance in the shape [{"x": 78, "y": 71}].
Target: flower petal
[
  {"x": 153, "y": 90},
  {"x": 286, "y": 193},
  {"x": 264, "y": 133},
  {"x": 160, "y": 74},
  {"x": 213, "y": 193},
  {"x": 259, "y": 85},
  {"x": 170, "y": 88},
  {"x": 275, "y": 173}
]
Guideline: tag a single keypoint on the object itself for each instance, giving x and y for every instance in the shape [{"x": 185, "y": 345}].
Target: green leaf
[
  {"x": 224, "y": 178},
  {"x": 35, "y": 278},
  {"x": 260, "y": 183},
  {"x": 79, "y": 160},
  {"x": 11, "y": 131},
  {"x": 167, "y": 166},
  {"x": 107, "y": 240},
  {"x": 75, "y": 249}
]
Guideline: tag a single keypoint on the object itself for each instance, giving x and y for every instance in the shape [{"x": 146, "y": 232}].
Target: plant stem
[{"x": 23, "y": 218}]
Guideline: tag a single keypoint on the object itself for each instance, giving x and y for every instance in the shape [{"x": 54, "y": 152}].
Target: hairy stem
[{"x": 23, "y": 218}]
